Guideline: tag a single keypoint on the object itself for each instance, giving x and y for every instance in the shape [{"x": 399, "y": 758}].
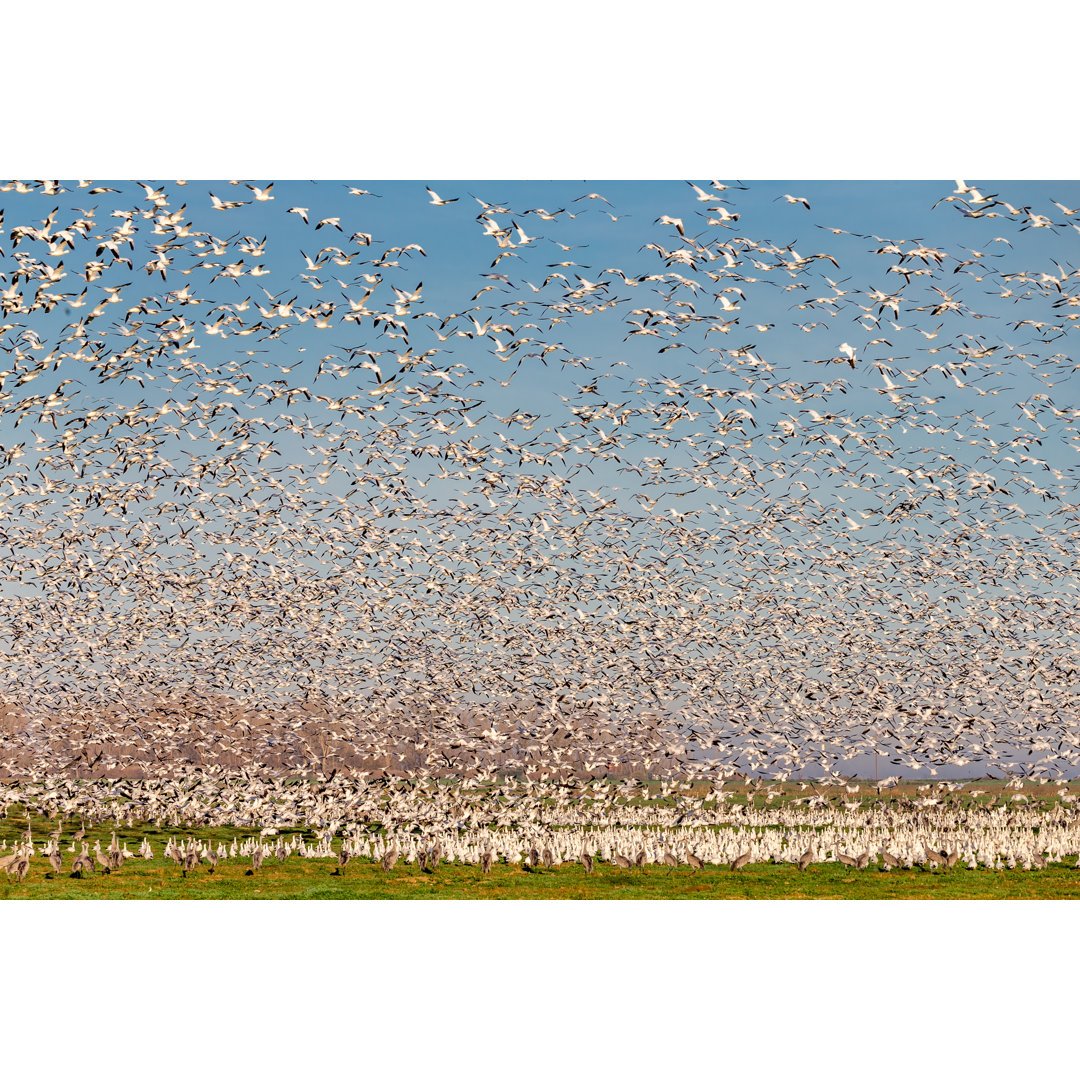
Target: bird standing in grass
[{"x": 82, "y": 862}]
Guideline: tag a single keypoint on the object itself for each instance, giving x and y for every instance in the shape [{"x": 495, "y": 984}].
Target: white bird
[{"x": 436, "y": 200}]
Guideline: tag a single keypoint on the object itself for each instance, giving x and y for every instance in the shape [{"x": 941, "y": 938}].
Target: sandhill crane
[
  {"x": 806, "y": 858},
  {"x": 740, "y": 860},
  {"x": 587, "y": 862},
  {"x": 694, "y": 861},
  {"x": 670, "y": 861},
  {"x": 862, "y": 861},
  {"x": 485, "y": 862},
  {"x": 20, "y": 866},
  {"x": 56, "y": 860},
  {"x": 82, "y": 862},
  {"x": 622, "y": 862},
  {"x": 100, "y": 859},
  {"x": 847, "y": 860},
  {"x": 889, "y": 862},
  {"x": 389, "y": 859}
]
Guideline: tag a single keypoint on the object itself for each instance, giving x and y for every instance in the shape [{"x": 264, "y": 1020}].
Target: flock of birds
[
  {"x": 536, "y": 827},
  {"x": 276, "y": 499}
]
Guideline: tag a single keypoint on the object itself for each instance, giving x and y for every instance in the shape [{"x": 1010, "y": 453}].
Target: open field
[
  {"x": 302, "y": 879},
  {"x": 536, "y": 838}
]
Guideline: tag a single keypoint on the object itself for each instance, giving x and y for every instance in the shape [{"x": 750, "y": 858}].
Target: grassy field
[{"x": 314, "y": 879}]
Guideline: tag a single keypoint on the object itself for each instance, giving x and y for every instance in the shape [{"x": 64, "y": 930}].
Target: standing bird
[
  {"x": 100, "y": 859},
  {"x": 806, "y": 858},
  {"x": 740, "y": 860},
  {"x": 694, "y": 861},
  {"x": 389, "y": 859},
  {"x": 82, "y": 862},
  {"x": 485, "y": 862},
  {"x": 587, "y": 862},
  {"x": 19, "y": 867}
]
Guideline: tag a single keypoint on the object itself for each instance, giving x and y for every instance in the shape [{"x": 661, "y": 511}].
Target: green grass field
[{"x": 313, "y": 879}]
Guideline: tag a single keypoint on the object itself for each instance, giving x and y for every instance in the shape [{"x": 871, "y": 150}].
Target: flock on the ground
[{"x": 598, "y": 825}]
